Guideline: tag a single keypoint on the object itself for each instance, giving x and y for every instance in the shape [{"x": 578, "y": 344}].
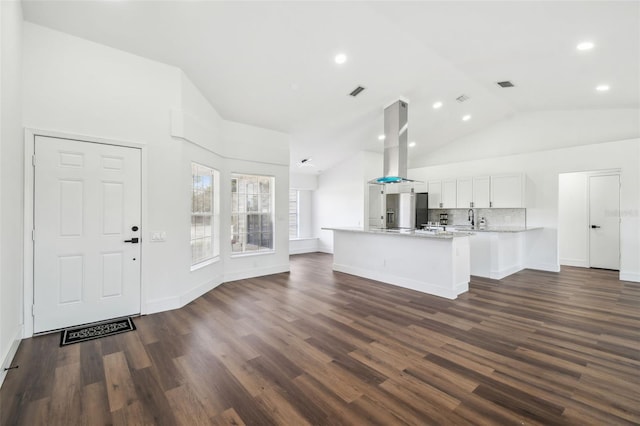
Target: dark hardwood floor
[{"x": 318, "y": 347}]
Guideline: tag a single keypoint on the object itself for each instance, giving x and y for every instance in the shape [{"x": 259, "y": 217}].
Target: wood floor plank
[
  {"x": 95, "y": 405},
  {"x": 120, "y": 386},
  {"x": 188, "y": 410},
  {"x": 314, "y": 346},
  {"x": 65, "y": 404}
]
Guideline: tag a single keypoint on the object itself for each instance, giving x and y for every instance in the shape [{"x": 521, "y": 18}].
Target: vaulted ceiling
[{"x": 271, "y": 64}]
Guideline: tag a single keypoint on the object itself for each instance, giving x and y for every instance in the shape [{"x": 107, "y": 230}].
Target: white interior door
[
  {"x": 86, "y": 204},
  {"x": 604, "y": 218}
]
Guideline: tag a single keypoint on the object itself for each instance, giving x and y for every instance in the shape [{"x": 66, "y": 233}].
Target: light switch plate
[{"x": 158, "y": 236}]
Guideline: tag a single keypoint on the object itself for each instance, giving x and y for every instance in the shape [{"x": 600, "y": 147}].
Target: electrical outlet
[{"x": 158, "y": 236}]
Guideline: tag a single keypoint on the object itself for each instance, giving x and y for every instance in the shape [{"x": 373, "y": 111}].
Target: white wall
[
  {"x": 542, "y": 169},
  {"x": 342, "y": 195},
  {"x": 11, "y": 181},
  {"x": 573, "y": 219},
  {"x": 303, "y": 181},
  {"x": 79, "y": 87}
]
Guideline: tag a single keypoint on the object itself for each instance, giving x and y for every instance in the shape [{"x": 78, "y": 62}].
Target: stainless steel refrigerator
[{"x": 400, "y": 211}]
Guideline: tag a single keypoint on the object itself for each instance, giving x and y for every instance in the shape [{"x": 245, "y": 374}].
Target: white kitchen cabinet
[
  {"x": 442, "y": 194},
  {"x": 464, "y": 193},
  {"x": 434, "y": 188},
  {"x": 507, "y": 191},
  {"x": 448, "y": 195},
  {"x": 481, "y": 192},
  {"x": 473, "y": 192}
]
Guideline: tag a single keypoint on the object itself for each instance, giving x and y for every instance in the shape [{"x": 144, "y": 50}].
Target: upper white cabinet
[
  {"x": 481, "y": 192},
  {"x": 473, "y": 192},
  {"x": 464, "y": 194},
  {"x": 499, "y": 191},
  {"x": 442, "y": 194},
  {"x": 507, "y": 191},
  {"x": 449, "y": 190},
  {"x": 434, "y": 188}
]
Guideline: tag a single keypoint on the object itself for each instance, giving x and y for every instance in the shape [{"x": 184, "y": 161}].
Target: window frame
[
  {"x": 244, "y": 222},
  {"x": 297, "y": 214},
  {"x": 214, "y": 215}
]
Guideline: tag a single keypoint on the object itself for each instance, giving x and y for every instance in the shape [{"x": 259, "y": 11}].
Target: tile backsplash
[{"x": 493, "y": 217}]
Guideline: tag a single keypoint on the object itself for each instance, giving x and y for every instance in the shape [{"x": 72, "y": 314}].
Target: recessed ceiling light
[
  {"x": 585, "y": 45},
  {"x": 437, "y": 105},
  {"x": 466, "y": 118},
  {"x": 602, "y": 88},
  {"x": 381, "y": 137},
  {"x": 412, "y": 144},
  {"x": 340, "y": 58}
]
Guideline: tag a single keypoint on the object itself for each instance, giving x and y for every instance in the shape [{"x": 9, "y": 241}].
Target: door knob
[
  {"x": 594, "y": 226},
  {"x": 134, "y": 240}
]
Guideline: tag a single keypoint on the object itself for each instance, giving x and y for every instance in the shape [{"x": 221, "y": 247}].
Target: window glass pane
[
  {"x": 265, "y": 203},
  {"x": 253, "y": 242},
  {"x": 234, "y": 202},
  {"x": 267, "y": 241},
  {"x": 293, "y": 213},
  {"x": 264, "y": 185},
  {"x": 266, "y": 223},
  {"x": 252, "y": 203},
  {"x": 252, "y": 222},
  {"x": 203, "y": 199}
]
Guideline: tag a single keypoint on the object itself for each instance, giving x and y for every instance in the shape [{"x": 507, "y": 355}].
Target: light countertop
[
  {"x": 405, "y": 232},
  {"x": 452, "y": 231},
  {"x": 466, "y": 228}
]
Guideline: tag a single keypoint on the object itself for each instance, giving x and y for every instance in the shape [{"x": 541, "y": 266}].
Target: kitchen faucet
[{"x": 471, "y": 217}]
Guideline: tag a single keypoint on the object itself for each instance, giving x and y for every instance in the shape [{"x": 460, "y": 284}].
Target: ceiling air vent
[
  {"x": 505, "y": 84},
  {"x": 462, "y": 98},
  {"x": 356, "y": 91}
]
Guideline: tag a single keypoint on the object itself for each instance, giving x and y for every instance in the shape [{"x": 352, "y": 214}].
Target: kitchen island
[
  {"x": 497, "y": 251},
  {"x": 432, "y": 263}
]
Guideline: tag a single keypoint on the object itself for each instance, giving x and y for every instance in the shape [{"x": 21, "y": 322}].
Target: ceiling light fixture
[
  {"x": 340, "y": 58},
  {"x": 381, "y": 137},
  {"x": 466, "y": 118},
  {"x": 437, "y": 105},
  {"x": 602, "y": 88},
  {"x": 585, "y": 45},
  {"x": 412, "y": 144}
]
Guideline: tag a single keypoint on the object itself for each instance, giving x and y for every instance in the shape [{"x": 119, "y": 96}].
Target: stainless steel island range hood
[{"x": 395, "y": 144}]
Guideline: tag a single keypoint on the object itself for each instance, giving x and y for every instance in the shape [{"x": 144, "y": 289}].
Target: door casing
[{"x": 29, "y": 194}]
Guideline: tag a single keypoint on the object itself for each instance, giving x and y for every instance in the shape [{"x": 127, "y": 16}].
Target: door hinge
[
  {"x": 33, "y": 235},
  {"x": 33, "y": 310},
  {"x": 33, "y": 160}
]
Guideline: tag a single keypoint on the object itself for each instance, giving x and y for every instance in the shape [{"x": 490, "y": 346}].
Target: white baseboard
[
  {"x": 11, "y": 353},
  {"x": 177, "y": 302},
  {"x": 629, "y": 276},
  {"x": 161, "y": 305},
  {"x": 198, "y": 291},
  {"x": 303, "y": 245},
  {"x": 302, "y": 250},
  {"x": 549, "y": 267},
  {"x": 257, "y": 272},
  {"x": 580, "y": 263},
  {"x": 328, "y": 250},
  {"x": 505, "y": 272}
]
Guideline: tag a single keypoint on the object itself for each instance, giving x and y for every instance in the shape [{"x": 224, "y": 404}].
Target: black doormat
[{"x": 95, "y": 331}]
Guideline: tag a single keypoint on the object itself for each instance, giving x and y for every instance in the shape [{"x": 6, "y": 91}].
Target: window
[
  {"x": 204, "y": 214},
  {"x": 293, "y": 213},
  {"x": 252, "y": 213}
]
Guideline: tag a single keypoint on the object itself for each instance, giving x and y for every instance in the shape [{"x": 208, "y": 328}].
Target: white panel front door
[
  {"x": 604, "y": 217},
  {"x": 87, "y": 203}
]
